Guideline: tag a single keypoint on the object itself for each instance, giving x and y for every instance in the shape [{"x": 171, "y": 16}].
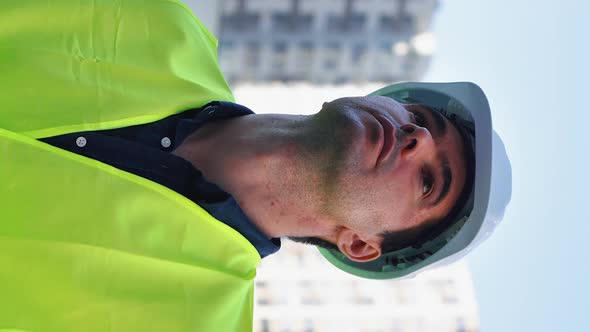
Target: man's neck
[{"x": 256, "y": 159}]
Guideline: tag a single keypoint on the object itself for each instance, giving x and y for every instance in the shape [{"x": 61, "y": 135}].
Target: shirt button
[
  {"x": 209, "y": 109},
  {"x": 166, "y": 142},
  {"x": 81, "y": 141}
]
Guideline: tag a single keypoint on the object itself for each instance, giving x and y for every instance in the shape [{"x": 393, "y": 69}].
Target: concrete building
[
  {"x": 298, "y": 291},
  {"x": 325, "y": 41}
]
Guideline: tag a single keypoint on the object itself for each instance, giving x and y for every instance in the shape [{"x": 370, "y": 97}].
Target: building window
[
  {"x": 346, "y": 24},
  {"x": 252, "y": 57},
  {"x": 227, "y": 57},
  {"x": 359, "y": 52},
  {"x": 264, "y": 295},
  {"x": 240, "y": 22},
  {"x": 304, "y": 60},
  {"x": 278, "y": 60},
  {"x": 290, "y": 23},
  {"x": 402, "y": 23},
  {"x": 331, "y": 56}
]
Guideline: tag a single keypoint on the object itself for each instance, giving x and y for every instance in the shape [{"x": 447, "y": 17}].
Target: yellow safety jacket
[{"x": 85, "y": 246}]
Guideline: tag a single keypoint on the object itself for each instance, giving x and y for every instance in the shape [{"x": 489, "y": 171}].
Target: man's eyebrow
[
  {"x": 447, "y": 179},
  {"x": 439, "y": 120}
]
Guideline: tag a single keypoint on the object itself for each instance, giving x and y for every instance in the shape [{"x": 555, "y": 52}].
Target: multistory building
[
  {"x": 325, "y": 41},
  {"x": 298, "y": 291}
]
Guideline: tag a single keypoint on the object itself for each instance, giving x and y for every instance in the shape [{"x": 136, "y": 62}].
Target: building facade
[
  {"x": 297, "y": 290},
  {"x": 325, "y": 41}
]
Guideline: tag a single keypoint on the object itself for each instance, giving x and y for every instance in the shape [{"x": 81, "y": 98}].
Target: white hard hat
[{"x": 491, "y": 192}]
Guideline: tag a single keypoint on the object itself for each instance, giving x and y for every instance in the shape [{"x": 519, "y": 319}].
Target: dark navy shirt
[{"x": 145, "y": 151}]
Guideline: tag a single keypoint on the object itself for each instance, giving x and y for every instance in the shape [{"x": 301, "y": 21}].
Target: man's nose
[{"x": 416, "y": 140}]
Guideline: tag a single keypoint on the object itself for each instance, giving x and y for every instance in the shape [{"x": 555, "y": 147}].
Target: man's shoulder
[{"x": 97, "y": 65}]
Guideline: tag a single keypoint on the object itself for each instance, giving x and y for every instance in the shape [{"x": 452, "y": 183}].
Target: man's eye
[{"x": 427, "y": 182}]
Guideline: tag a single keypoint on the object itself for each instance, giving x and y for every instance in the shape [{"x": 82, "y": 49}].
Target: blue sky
[{"x": 531, "y": 59}]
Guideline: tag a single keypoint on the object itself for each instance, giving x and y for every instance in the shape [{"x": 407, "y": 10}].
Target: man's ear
[{"x": 356, "y": 248}]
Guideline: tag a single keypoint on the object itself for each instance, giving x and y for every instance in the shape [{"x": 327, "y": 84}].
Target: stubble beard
[{"x": 326, "y": 149}]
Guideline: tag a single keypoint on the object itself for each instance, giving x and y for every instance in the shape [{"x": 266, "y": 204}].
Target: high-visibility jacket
[{"x": 85, "y": 246}]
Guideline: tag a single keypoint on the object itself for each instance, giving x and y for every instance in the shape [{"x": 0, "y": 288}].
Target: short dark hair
[{"x": 415, "y": 236}]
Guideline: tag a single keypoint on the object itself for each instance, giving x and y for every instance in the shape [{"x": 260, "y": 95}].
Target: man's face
[{"x": 387, "y": 166}]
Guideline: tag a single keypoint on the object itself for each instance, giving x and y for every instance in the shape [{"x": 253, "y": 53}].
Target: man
[
  {"x": 137, "y": 196},
  {"x": 307, "y": 175}
]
